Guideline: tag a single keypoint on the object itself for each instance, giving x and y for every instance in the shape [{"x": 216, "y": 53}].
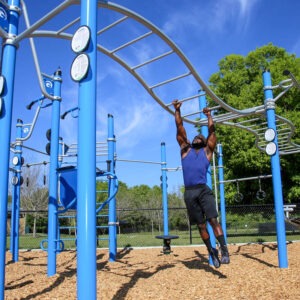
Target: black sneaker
[
  {"x": 215, "y": 258},
  {"x": 225, "y": 256}
]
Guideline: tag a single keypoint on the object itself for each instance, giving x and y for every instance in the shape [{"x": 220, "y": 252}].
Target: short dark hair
[{"x": 202, "y": 137}]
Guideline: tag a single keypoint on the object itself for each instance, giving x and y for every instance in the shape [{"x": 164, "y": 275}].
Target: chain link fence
[{"x": 141, "y": 227}]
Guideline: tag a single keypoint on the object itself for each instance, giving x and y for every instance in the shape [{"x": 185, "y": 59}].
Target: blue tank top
[{"x": 194, "y": 167}]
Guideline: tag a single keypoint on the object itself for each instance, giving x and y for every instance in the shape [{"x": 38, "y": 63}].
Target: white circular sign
[
  {"x": 15, "y": 160},
  {"x": 271, "y": 148},
  {"x": 81, "y": 39},
  {"x": 270, "y": 134},
  {"x": 80, "y": 67}
]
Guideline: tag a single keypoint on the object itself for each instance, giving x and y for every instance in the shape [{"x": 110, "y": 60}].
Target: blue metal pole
[
  {"x": 112, "y": 213},
  {"x": 164, "y": 188},
  {"x": 204, "y": 131},
  {"x": 222, "y": 192},
  {"x": 53, "y": 179},
  {"x": 8, "y": 71},
  {"x": 15, "y": 212},
  {"x": 86, "y": 189},
  {"x": 276, "y": 176}
]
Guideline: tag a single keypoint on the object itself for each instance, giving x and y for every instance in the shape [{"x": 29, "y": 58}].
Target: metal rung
[
  {"x": 283, "y": 142},
  {"x": 132, "y": 42},
  {"x": 67, "y": 227},
  {"x": 282, "y": 135},
  {"x": 191, "y": 114},
  {"x": 201, "y": 111},
  {"x": 186, "y": 99},
  {"x": 285, "y": 145},
  {"x": 66, "y": 216},
  {"x": 102, "y": 145},
  {"x": 253, "y": 120},
  {"x": 227, "y": 117},
  {"x": 68, "y": 25},
  {"x": 264, "y": 123},
  {"x": 248, "y": 126},
  {"x": 286, "y": 148},
  {"x": 283, "y": 130},
  {"x": 281, "y": 124},
  {"x": 170, "y": 80},
  {"x": 152, "y": 60},
  {"x": 112, "y": 25},
  {"x": 261, "y": 129},
  {"x": 246, "y": 121}
]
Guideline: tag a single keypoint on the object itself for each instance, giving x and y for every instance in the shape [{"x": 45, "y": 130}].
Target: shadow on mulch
[
  {"x": 19, "y": 285},
  {"x": 24, "y": 258},
  {"x": 135, "y": 277},
  {"x": 202, "y": 264},
  {"x": 242, "y": 250},
  {"x": 70, "y": 272},
  {"x": 199, "y": 262}
]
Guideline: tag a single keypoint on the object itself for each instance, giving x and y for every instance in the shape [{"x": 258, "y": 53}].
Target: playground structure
[
  {"x": 65, "y": 175},
  {"x": 257, "y": 120}
]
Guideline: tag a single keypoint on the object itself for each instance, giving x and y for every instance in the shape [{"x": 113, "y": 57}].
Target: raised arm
[
  {"x": 181, "y": 133},
  {"x": 212, "y": 138}
]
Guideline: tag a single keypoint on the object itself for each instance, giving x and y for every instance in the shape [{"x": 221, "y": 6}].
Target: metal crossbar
[{"x": 252, "y": 119}]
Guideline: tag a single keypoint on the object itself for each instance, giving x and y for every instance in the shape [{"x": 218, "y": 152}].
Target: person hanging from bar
[{"x": 198, "y": 197}]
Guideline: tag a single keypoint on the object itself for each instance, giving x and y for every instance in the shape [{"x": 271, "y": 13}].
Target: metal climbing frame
[
  {"x": 175, "y": 78},
  {"x": 178, "y": 79}
]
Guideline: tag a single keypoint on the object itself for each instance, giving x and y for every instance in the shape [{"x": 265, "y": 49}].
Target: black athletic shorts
[{"x": 200, "y": 203}]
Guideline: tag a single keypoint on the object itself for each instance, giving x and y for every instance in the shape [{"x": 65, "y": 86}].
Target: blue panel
[
  {"x": 49, "y": 85},
  {"x": 68, "y": 187},
  {"x": 4, "y": 17}
]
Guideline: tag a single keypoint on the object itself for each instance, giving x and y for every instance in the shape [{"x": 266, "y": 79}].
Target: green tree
[
  {"x": 239, "y": 82},
  {"x": 34, "y": 198},
  {"x": 140, "y": 208}
]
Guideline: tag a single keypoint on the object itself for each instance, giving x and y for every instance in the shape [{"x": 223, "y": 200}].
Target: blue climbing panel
[{"x": 68, "y": 186}]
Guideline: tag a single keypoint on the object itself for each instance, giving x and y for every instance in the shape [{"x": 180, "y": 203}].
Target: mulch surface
[{"x": 253, "y": 273}]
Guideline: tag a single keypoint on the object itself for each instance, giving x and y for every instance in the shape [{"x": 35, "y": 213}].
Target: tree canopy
[{"x": 239, "y": 83}]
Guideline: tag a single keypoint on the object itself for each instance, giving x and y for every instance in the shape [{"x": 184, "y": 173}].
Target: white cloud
[
  {"x": 245, "y": 12},
  {"x": 213, "y": 17},
  {"x": 138, "y": 124}
]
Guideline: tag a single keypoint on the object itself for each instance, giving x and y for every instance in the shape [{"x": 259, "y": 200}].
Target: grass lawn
[{"x": 148, "y": 239}]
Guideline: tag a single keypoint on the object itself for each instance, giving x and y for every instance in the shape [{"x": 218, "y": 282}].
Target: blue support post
[
  {"x": 164, "y": 189},
  {"x": 53, "y": 243},
  {"x": 8, "y": 71},
  {"x": 276, "y": 176},
  {"x": 86, "y": 188},
  {"x": 204, "y": 131},
  {"x": 112, "y": 212},
  {"x": 222, "y": 192},
  {"x": 16, "y": 195}
]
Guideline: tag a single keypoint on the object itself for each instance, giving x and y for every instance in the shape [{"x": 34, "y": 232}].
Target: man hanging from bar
[{"x": 198, "y": 197}]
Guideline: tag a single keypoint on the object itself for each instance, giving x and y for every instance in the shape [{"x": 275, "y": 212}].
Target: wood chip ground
[{"x": 185, "y": 274}]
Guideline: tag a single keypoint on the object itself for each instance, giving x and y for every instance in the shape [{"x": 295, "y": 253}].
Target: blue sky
[{"x": 205, "y": 30}]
